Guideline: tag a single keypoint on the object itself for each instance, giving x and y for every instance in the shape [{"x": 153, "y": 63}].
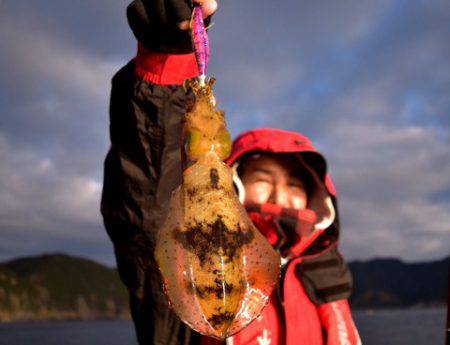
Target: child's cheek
[
  {"x": 299, "y": 202},
  {"x": 258, "y": 193}
]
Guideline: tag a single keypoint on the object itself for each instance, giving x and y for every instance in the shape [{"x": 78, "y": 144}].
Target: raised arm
[{"x": 143, "y": 164}]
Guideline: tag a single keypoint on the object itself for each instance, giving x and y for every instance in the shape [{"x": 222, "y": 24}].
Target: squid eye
[
  {"x": 223, "y": 143},
  {"x": 194, "y": 144}
]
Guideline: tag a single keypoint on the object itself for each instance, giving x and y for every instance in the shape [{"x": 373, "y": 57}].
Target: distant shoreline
[
  {"x": 357, "y": 310},
  {"x": 66, "y": 320},
  {"x": 59, "y": 287}
]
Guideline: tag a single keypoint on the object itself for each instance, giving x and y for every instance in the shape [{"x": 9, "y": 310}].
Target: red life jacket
[{"x": 294, "y": 318}]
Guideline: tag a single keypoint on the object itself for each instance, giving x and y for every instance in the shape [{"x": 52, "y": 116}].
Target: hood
[{"x": 323, "y": 198}]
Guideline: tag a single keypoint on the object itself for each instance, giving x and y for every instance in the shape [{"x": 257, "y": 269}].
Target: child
[
  {"x": 143, "y": 167},
  {"x": 283, "y": 184}
]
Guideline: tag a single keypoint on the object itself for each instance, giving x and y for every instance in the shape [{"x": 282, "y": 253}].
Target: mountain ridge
[
  {"x": 54, "y": 286},
  {"x": 381, "y": 283},
  {"x": 59, "y": 286}
]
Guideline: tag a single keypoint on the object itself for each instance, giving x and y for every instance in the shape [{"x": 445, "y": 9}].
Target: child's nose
[{"x": 280, "y": 196}]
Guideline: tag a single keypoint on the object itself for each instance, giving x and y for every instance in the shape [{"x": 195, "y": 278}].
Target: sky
[{"x": 367, "y": 81}]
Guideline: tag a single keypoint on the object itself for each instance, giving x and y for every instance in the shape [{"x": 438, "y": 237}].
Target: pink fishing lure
[{"x": 201, "y": 42}]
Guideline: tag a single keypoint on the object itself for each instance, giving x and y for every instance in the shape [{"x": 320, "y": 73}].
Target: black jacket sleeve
[
  {"x": 326, "y": 278},
  {"x": 142, "y": 168}
]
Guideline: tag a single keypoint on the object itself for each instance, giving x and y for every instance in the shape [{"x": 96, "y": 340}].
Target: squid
[{"x": 218, "y": 271}]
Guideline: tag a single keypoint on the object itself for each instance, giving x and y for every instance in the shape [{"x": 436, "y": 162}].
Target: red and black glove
[{"x": 155, "y": 24}]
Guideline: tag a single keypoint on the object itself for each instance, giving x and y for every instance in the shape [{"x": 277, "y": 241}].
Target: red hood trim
[
  {"x": 275, "y": 141},
  {"x": 269, "y": 140}
]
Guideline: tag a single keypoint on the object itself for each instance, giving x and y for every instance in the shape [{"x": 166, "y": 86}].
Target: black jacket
[{"x": 143, "y": 166}]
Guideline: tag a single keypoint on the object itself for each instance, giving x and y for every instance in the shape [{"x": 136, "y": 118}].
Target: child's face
[{"x": 271, "y": 178}]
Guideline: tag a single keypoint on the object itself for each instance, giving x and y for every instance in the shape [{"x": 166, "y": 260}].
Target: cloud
[
  {"x": 53, "y": 138},
  {"x": 259, "y": 56},
  {"x": 380, "y": 114},
  {"x": 367, "y": 81},
  {"x": 37, "y": 196},
  {"x": 387, "y": 177},
  {"x": 54, "y": 94}
]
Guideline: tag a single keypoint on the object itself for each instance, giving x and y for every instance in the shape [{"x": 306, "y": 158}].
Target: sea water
[{"x": 386, "y": 327}]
